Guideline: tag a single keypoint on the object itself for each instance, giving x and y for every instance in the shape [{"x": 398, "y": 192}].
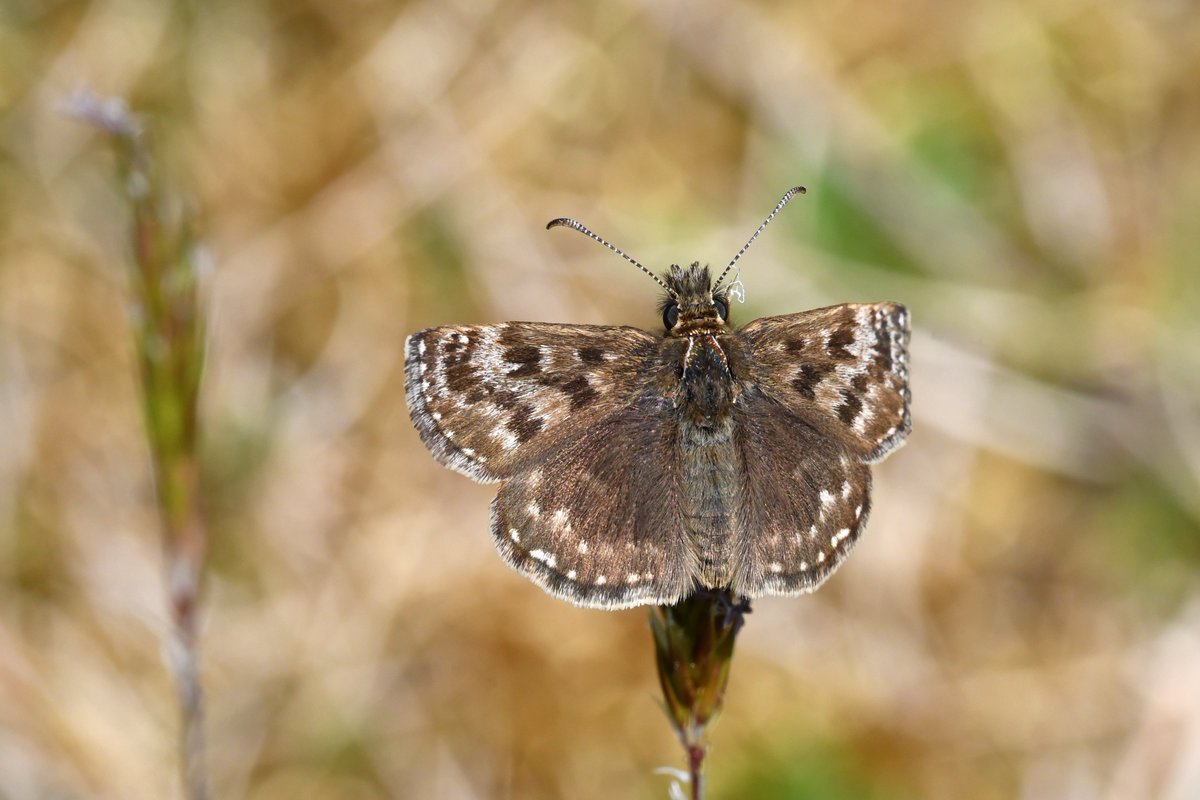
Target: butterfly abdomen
[{"x": 708, "y": 496}]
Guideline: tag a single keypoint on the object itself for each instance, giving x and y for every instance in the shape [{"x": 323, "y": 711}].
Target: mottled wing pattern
[
  {"x": 804, "y": 501},
  {"x": 843, "y": 369},
  {"x": 597, "y": 523},
  {"x": 489, "y": 399}
]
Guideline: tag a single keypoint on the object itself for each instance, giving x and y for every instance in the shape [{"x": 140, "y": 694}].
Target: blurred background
[{"x": 1022, "y": 618}]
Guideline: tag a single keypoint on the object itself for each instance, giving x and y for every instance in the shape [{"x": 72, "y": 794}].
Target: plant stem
[
  {"x": 185, "y": 564},
  {"x": 693, "y": 645},
  {"x": 169, "y": 336},
  {"x": 696, "y": 770}
]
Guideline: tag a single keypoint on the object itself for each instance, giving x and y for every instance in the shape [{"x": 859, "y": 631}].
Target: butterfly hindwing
[
  {"x": 487, "y": 399},
  {"x": 843, "y": 369},
  {"x": 597, "y": 522},
  {"x": 798, "y": 517}
]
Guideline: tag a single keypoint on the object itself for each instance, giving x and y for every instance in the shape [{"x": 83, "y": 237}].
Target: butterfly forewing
[
  {"x": 843, "y": 369},
  {"x": 489, "y": 399}
]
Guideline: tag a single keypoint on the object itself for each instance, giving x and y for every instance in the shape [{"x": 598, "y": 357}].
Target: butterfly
[{"x": 636, "y": 467}]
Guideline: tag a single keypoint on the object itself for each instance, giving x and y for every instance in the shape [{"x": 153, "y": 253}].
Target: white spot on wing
[
  {"x": 601, "y": 580},
  {"x": 546, "y": 558},
  {"x": 514, "y": 534},
  {"x": 583, "y": 546},
  {"x": 775, "y": 566},
  {"x": 864, "y": 416},
  {"x": 534, "y": 510}
]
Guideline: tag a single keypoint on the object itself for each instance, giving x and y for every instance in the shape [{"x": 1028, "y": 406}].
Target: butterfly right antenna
[
  {"x": 795, "y": 190},
  {"x": 570, "y": 223}
]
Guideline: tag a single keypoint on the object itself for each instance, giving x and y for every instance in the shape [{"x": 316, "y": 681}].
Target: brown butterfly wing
[
  {"x": 488, "y": 400},
  {"x": 843, "y": 370},
  {"x": 597, "y": 522},
  {"x": 804, "y": 501}
]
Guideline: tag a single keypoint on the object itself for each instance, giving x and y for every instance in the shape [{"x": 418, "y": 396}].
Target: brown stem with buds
[{"x": 693, "y": 647}]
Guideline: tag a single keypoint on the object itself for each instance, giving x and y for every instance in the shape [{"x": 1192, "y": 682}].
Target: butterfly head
[{"x": 691, "y": 306}]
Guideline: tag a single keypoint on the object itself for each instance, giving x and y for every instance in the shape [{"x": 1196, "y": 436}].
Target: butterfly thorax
[{"x": 693, "y": 312}]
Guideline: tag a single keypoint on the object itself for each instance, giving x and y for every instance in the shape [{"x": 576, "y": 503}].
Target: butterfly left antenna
[
  {"x": 792, "y": 192},
  {"x": 565, "y": 222}
]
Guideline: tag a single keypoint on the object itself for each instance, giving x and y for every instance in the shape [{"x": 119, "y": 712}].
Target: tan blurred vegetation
[{"x": 1022, "y": 618}]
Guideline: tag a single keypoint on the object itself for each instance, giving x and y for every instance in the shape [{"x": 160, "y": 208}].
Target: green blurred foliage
[{"x": 809, "y": 771}]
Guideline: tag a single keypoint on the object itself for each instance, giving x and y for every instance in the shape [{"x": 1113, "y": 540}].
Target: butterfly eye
[
  {"x": 671, "y": 315},
  {"x": 722, "y": 307}
]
